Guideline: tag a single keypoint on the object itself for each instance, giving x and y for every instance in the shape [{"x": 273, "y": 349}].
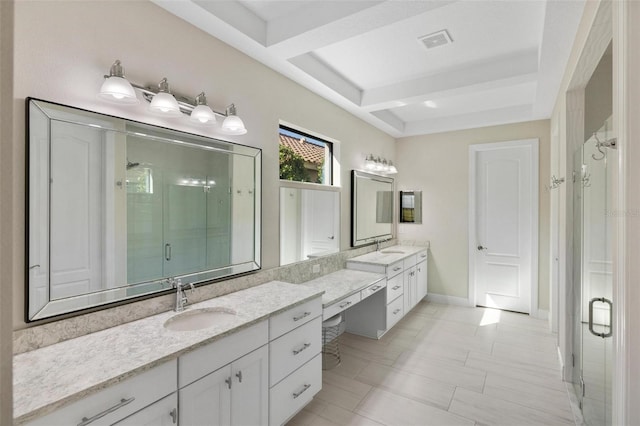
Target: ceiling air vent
[{"x": 439, "y": 38}]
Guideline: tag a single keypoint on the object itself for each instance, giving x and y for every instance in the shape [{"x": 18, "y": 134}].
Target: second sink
[
  {"x": 198, "y": 319},
  {"x": 391, "y": 252}
]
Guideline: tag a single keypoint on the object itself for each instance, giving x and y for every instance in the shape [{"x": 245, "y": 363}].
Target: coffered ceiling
[{"x": 494, "y": 62}]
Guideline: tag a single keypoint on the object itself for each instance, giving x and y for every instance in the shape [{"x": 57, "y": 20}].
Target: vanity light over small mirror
[{"x": 117, "y": 89}]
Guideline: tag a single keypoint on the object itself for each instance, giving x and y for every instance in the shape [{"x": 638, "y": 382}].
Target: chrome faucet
[{"x": 181, "y": 295}]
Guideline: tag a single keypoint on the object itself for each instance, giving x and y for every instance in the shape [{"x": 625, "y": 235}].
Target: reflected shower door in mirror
[
  {"x": 116, "y": 207},
  {"x": 309, "y": 223},
  {"x": 411, "y": 206},
  {"x": 371, "y": 208}
]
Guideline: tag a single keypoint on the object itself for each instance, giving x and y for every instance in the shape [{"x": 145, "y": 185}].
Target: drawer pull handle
[
  {"x": 299, "y": 317},
  {"x": 297, "y": 394},
  {"x": 423, "y": 255},
  {"x": 396, "y": 311},
  {"x": 174, "y": 416},
  {"x": 344, "y": 305},
  {"x": 397, "y": 268},
  {"x": 239, "y": 376},
  {"x": 85, "y": 421},
  {"x": 396, "y": 287},
  {"x": 305, "y": 346},
  {"x": 375, "y": 288}
]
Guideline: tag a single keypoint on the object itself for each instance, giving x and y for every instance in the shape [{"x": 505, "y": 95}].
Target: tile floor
[{"x": 446, "y": 365}]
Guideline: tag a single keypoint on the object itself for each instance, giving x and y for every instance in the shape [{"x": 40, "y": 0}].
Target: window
[{"x": 305, "y": 158}]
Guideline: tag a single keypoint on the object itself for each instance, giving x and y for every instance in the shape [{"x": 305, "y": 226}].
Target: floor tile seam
[
  {"x": 433, "y": 378},
  {"x": 532, "y": 363},
  {"x": 453, "y": 397},
  {"x": 567, "y": 409},
  {"x": 541, "y": 387},
  {"x": 415, "y": 399},
  {"x": 347, "y": 390},
  {"x": 544, "y": 413},
  {"x": 527, "y": 367}
]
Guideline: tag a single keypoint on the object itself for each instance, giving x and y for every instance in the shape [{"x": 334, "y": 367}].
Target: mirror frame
[
  {"x": 74, "y": 305},
  {"x": 358, "y": 174}
]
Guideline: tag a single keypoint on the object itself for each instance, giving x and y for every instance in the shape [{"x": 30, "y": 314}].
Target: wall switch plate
[{"x": 316, "y": 269}]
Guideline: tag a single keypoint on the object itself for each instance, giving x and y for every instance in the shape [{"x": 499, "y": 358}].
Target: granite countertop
[
  {"x": 48, "y": 378},
  {"x": 343, "y": 283},
  {"x": 388, "y": 255}
]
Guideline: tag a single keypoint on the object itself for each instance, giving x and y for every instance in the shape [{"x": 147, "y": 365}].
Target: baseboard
[{"x": 447, "y": 300}]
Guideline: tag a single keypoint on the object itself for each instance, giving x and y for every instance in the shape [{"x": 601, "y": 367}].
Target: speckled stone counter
[
  {"x": 388, "y": 255},
  {"x": 54, "y": 376},
  {"x": 343, "y": 283}
]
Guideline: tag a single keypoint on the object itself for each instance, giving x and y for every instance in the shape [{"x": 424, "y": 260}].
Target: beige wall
[
  {"x": 62, "y": 50},
  {"x": 7, "y": 195},
  {"x": 439, "y": 166}
]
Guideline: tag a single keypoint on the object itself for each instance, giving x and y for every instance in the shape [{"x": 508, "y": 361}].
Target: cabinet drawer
[
  {"x": 295, "y": 348},
  {"x": 294, "y": 392},
  {"x": 395, "y": 287},
  {"x": 409, "y": 262},
  {"x": 207, "y": 359},
  {"x": 340, "y": 306},
  {"x": 394, "y": 269},
  {"x": 294, "y": 317},
  {"x": 373, "y": 288},
  {"x": 395, "y": 311},
  {"x": 129, "y": 396}
]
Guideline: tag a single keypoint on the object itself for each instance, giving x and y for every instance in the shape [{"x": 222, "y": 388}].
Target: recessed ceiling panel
[
  {"x": 522, "y": 94},
  {"x": 479, "y": 29}
]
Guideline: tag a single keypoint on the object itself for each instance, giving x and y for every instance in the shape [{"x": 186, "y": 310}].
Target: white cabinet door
[
  {"x": 250, "y": 389},
  {"x": 410, "y": 289},
  {"x": 207, "y": 401},
  {"x": 161, "y": 413},
  {"x": 421, "y": 274},
  {"x": 236, "y": 394}
]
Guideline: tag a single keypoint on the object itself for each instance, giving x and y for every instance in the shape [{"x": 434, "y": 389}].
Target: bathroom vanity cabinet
[
  {"x": 405, "y": 269},
  {"x": 261, "y": 372}
]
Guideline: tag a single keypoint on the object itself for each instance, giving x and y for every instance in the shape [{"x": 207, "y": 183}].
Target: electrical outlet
[{"x": 316, "y": 269}]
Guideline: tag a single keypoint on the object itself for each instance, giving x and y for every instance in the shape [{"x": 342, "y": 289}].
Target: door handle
[
  {"x": 608, "y": 302},
  {"x": 167, "y": 251},
  {"x": 482, "y": 248}
]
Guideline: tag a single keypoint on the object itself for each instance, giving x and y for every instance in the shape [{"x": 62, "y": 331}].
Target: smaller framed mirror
[{"x": 411, "y": 206}]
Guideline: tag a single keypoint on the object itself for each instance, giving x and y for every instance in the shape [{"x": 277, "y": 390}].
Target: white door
[
  {"x": 76, "y": 209},
  {"x": 503, "y": 238},
  {"x": 320, "y": 222}
]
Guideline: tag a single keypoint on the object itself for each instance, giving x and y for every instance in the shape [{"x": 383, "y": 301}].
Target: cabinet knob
[
  {"x": 228, "y": 382},
  {"x": 174, "y": 416},
  {"x": 239, "y": 376}
]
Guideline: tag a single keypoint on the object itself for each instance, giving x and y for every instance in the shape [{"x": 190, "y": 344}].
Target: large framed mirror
[
  {"x": 371, "y": 208},
  {"x": 116, "y": 207}
]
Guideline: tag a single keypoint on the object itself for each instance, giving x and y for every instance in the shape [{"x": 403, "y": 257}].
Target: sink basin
[
  {"x": 391, "y": 252},
  {"x": 198, "y": 319}
]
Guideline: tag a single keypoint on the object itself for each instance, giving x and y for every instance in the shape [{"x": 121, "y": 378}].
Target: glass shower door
[{"x": 597, "y": 280}]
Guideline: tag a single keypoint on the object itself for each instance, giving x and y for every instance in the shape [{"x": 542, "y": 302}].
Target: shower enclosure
[{"x": 593, "y": 306}]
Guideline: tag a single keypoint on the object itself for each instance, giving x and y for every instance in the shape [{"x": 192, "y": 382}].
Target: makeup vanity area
[{"x": 248, "y": 354}]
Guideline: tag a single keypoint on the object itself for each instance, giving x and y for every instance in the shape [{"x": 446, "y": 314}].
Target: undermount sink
[
  {"x": 198, "y": 319},
  {"x": 391, "y": 252}
]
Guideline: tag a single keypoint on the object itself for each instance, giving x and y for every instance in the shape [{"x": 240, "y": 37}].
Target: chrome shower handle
[{"x": 608, "y": 302}]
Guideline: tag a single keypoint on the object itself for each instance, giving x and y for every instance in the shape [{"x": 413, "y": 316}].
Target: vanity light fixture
[
  {"x": 118, "y": 89},
  {"x": 233, "y": 125},
  {"x": 202, "y": 113},
  {"x": 378, "y": 164},
  {"x": 163, "y": 102}
]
